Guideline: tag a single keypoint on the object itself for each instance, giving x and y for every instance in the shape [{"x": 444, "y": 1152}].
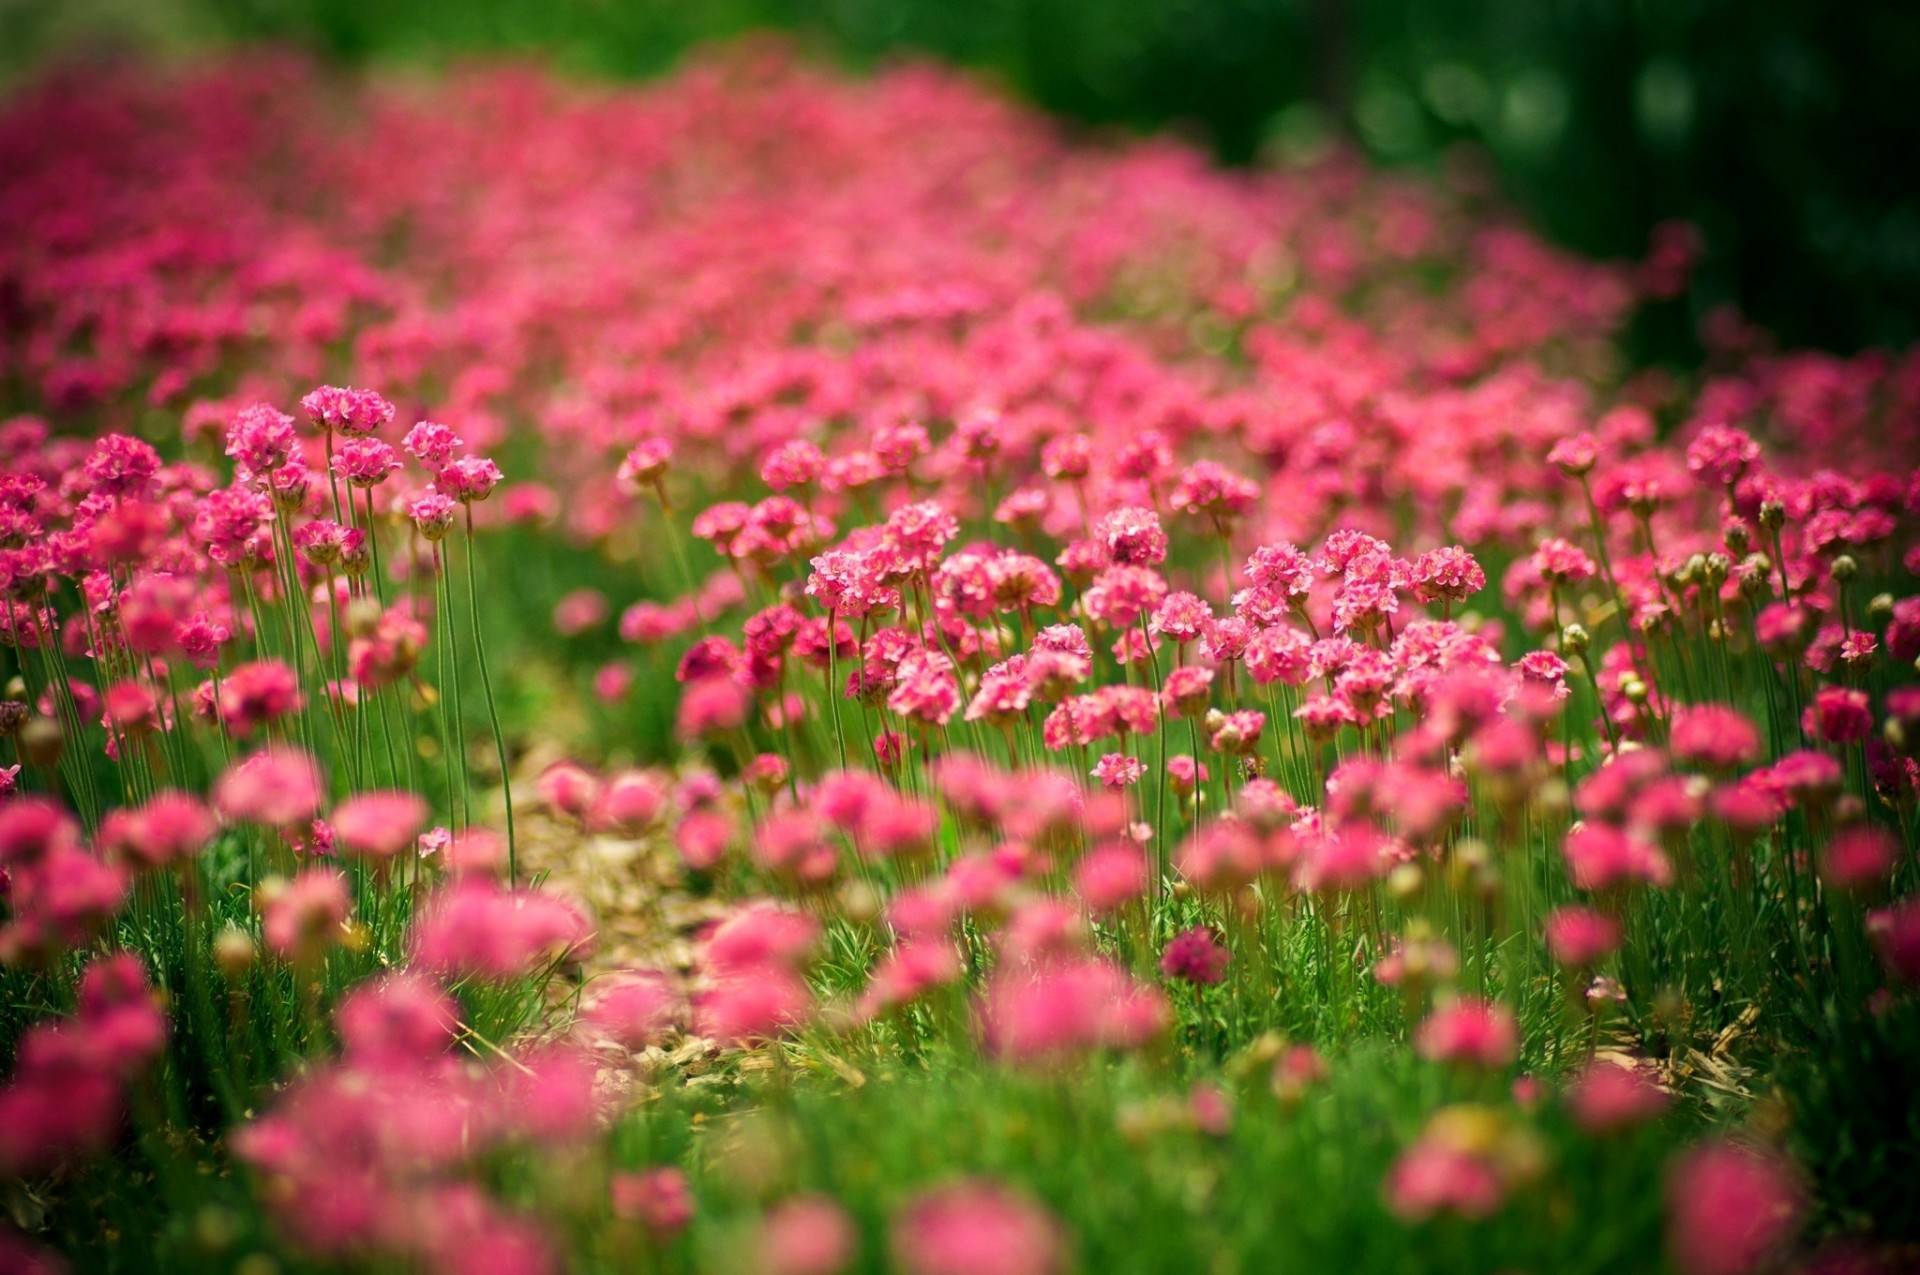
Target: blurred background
[{"x": 1787, "y": 132}]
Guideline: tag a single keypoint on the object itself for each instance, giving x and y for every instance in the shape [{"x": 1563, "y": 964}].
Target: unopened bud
[
  {"x": 233, "y": 952},
  {"x": 1773, "y": 514},
  {"x": 1844, "y": 568},
  {"x": 1575, "y": 638},
  {"x": 42, "y": 742},
  {"x": 1404, "y": 882}
]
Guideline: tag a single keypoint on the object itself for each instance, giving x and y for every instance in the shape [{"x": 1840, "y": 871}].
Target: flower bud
[
  {"x": 233, "y": 952},
  {"x": 1844, "y": 568},
  {"x": 41, "y": 742}
]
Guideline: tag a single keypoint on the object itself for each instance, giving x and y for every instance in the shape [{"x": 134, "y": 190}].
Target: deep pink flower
[
  {"x": 278, "y": 786},
  {"x": 805, "y": 1235},
  {"x": 378, "y": 825},
  {"x": 1730, "y": 1208},
  {"x": 1195, "y": 956},
  {"x": 1474, "y": 1032},
  {"x": 1607, "y": 1096},
  {"x": 977, "y": 1228}
]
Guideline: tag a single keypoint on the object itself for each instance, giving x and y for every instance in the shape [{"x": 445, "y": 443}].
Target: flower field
[{"x": 862, "y": 684}]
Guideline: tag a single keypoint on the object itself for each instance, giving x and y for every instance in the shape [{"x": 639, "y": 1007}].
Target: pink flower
[
  {"x": 977, "y": 1228},
  {"x": 398, "y": 1017},
  {"x": 1195, "y": 956},
  {"x": 1473, "y": 1032},
  {"x": 1581, "y": 937},
  {"x": 659, "y": 1199},
  {"x": 633, "y": 1009},
  {"x": 579, "y": 611},
  {"x": 741, "y": 1010},
  {"x": 431, "y": 444},
  {"x": 645, "y": 463},
  {"x": 169, "y": 827},
  {"x": 629, "y": 802},
  {"x": 1431, "y": 1177},
  {"x": 468, "y": 479},
  {"x": 1602, "y": 857},
  {"x": 278, "y": 786},
  {"x": 1729, "y": 1209},
  {"x": 1714, "y": 735},
  {"x": 1839, "y": 715},
  {"x": 378, "y": 825},
  {"x": 805, "y": 1235},
  {"x": 1118, "y": 771},
  {"x": 1895, "y": 931},
  {"x": 257, "y": 694},
  {"x": 1111, "y": 875},
  {"x": 1044, "y": 1015},
  {"x": 261, "y": 439},
  {"x": 301, "y": 920},
  {"x": 475, "y": 927},
  {"x": 432, "y": 514},
  {"x": 1607, "y": 1097},
  {"x": 365, "y": 462}
]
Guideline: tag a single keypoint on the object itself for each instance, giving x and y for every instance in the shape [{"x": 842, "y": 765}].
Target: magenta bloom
[
  {"x": 1839, "y": 715},
  {"x": 805, "y": 1235},
  {"x": 1580, "y": 936},
  {"x": 659, "y": 1199},
  {"x": 977, "y": 1228},
  {"x": 278, "y": 786},
  {"x": 1472, "y": 1032},
  {"x": 1431, "y": 1177},
  {"x": 378, "y": 825},
  {"x": 1195, "y": 956},
  {"x": 1729, "y": 1209}
]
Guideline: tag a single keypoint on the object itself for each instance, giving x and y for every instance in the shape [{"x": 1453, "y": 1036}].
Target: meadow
[{"x": 783, "y": 672}]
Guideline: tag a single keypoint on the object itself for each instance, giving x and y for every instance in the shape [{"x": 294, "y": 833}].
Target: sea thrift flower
[
  {"x": 258, "y": 693},
  {"x": 805, "y": 1235},
  {"x": 1117, "y": 771},
  {"x": 261, "y": 439},
  {"x": 397, "y": 1018},
  {"x": 468, "y": 479},
  {"x": 1132, "y": 537},
  {"x": 1607, "y": 1097},
  {"x": 378, "y": 825},
  {"x": 278, "y": 786},
  {"x": 301, "y": 919},
  {"x": 432, "y": 445},
  {"x": 977, "y": 1228},
  {"x": 432, "y": 514},
  {"x": 1111, "y": 875},
  {"x": 1730, "y": 1209},
  {"x": 475, "y": 927},
  {"x": 1714, "y": 735},
  {"x": 1895, "y": 932},
  {"x": 659, "y": 1199},
  {"x": 1194, "y": 956},
  {"x": 1049, "y": 1014},
  {"x": 365, "y": 462},
  {"x": 1581, "y": 937},
  {"x": 1473, "y": 1032},
  {"x": 1839, "y": 715}
]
